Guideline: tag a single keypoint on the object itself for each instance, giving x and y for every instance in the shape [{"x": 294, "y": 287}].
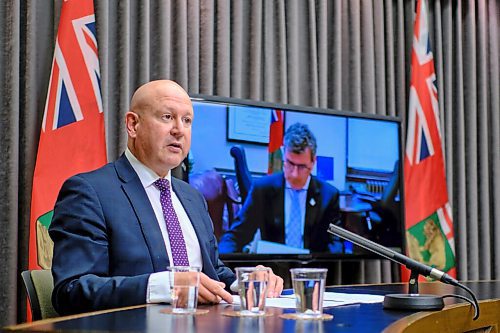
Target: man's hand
[
  {"x": 274, "y": 285},
  {"x": 211, "y": 291}
]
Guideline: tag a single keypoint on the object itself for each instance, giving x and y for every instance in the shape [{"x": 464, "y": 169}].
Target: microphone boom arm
[
  {"x": 413, "y": 300},
  {"x": 413, "y": 265}
]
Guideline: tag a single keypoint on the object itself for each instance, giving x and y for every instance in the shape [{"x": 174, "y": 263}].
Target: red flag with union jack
[
  {"x": 72, "y": 137},
  {"x": 429, "y": 224},
  {"x": 275, "y": 142}
]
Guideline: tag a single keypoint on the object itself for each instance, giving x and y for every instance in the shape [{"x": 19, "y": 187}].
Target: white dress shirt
[{"x": 158, "y": 289}]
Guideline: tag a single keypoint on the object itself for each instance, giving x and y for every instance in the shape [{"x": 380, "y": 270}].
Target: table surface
[{"x": 350, "y": 318}]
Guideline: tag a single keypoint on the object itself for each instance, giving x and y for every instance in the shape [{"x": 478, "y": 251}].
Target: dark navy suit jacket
[
  {"x": 107, "y": 240},
  {"x": 264, "y": 209}
]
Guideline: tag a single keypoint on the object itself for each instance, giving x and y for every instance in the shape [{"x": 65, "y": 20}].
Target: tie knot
[{"x": 162, "y": 184}]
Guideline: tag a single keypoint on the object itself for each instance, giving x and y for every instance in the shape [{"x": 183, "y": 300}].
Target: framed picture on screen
[{"x": 248, "y": 124}]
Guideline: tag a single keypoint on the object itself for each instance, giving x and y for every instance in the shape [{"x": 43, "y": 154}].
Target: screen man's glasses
[{"x": 289, "y": 165}]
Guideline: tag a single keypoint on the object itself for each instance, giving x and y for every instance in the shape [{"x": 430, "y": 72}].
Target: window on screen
[{"x": 372, "y": 144}]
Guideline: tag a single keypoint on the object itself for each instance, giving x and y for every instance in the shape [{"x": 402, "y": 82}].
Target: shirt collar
[
  {"x": 146, "y": 175},
  {"x": 305, "y": 187}
]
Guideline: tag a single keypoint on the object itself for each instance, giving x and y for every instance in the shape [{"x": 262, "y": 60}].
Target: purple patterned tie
[{"x": 177, "y": 243}]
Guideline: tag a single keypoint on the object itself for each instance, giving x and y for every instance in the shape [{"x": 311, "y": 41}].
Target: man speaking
[{"x": 118, "y": 228}]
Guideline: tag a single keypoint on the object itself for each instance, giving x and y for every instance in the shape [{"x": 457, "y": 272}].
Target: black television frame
[{"x": 322, "y": 256}]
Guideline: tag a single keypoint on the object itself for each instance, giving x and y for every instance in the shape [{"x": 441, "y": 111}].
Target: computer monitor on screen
[{"x": 358, "y": 154}]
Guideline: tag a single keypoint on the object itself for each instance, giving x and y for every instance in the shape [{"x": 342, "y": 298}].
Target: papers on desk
[
  {"x": 277, "y": 248},
  {"x": 355, "y": 298},
  {"x": 330, "y": 299}
]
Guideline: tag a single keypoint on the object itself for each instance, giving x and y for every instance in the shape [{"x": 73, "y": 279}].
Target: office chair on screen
[
  {"x": 220, "y": 195},
  {"x": 39, "y": 285},
  {"x": 243, "y": 175},
  {"x": 385, "y": 210}
]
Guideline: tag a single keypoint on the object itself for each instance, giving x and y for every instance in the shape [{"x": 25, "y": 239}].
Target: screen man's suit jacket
[
  {"x": 107, "y": 240},
  {"x": 264, "y": 209}
]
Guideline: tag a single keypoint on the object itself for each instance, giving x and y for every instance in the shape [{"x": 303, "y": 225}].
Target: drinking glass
[
  {"x": 309, "y": 288},
  {"x": 184, "y": 283},
  {"x": 252, "y": 288}
]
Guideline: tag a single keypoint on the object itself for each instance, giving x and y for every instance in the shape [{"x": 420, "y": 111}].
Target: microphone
[{"x": 413, "y": 300}]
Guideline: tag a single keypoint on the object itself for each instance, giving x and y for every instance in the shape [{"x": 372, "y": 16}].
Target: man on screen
[
  {"x": 116, "y": 229},
  {"x": 292, "y": 208}
]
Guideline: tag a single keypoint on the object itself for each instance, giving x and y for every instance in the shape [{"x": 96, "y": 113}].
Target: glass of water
[
  {"x": 309, "y": 288},
  {"x": 184, "y": 283},
  {"x": 252, "y": 288}
]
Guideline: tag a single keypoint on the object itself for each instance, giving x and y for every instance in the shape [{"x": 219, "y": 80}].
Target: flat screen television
[{"x": 357, "y": 153}]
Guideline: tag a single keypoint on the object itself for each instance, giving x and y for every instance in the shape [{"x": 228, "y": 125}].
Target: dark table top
[{"x": 350, "y": 318}]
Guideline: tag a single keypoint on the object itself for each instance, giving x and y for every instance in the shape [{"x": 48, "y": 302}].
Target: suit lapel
[
  {"x": 202, "y": 233},
  {"x": 312, "y": 210},
  {"x": 139, "y": 201},
  {"x": 278, "y": 207},
  {"x": 190, "y": 208}
]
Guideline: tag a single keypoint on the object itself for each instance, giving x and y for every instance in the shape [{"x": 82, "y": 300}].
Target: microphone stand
[{"x": 413, "y": 300}]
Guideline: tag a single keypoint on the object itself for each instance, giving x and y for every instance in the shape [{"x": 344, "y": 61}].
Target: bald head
[
  {"x": 149, "y": 93},
  {"x": 159, "y": 125}
]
